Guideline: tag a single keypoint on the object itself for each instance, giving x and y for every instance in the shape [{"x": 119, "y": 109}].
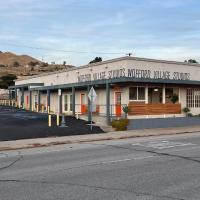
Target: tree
[
  {"x": 191, "y": 61},
  {"x": 97, "y": 59},
  {"x": 64, "y": 63},
  {"x": 7, "y": 80},
  {"x": 16, "y": 64},
  {"x": 33, "y": 64}
]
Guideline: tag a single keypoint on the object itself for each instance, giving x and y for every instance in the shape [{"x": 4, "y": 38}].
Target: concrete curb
[{"x": 44, "y": 142}]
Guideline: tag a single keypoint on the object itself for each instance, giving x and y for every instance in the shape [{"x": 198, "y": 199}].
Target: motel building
[{"x": 146, "y": 86}]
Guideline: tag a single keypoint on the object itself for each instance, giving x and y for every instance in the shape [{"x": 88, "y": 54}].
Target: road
[{"x": 153, "y": 168}]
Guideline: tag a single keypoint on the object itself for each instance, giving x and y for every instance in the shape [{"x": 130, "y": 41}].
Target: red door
[
  {"x": 118, "y": 107},
  {"x": 83, "y": 104}
]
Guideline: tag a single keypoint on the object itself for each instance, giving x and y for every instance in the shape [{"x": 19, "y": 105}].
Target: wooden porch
[{"x": 154, "y": 109}]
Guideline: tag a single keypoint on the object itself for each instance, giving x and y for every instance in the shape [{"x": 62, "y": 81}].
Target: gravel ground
[{"x": 18, "y": 124}]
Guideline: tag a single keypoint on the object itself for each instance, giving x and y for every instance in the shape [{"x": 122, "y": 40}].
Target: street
[{"x": 151, "y": 168}]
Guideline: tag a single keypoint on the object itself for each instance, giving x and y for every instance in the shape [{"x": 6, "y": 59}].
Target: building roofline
[
  {"x": 113, "y": 60},
  {"x": 115, "y": 81}
]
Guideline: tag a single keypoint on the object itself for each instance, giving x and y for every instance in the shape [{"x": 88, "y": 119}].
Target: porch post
[
  {"x": 108, "y": 103},
  {"x": 179, "y": 95},
  {"x": 30, "y": 100},
  {"x": 60, "y": 101},
  {"x": 39, "y": 100},
  {"x": 48, "y": 101},
  {"x": 73, "y": 102},
  {"x": 146, "y": 94},
  {"x": 163, "y": 96},
  {"x": 89, "y": 104},
  {"x": 15, "y": 94},
  {"x": 10, "y": 96},
  {"x": 22, "y": 98}
]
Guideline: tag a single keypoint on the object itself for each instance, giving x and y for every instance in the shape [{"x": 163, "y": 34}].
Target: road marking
[
  {"x": 126, "y": 159},
  {"x": 184, "y": 149},
  {"x": 162, "y": 144}
]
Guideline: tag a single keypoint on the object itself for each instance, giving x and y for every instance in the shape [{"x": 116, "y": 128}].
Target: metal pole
[
  {"x": 73, "y": 102},
  {"x": 108, "y": 103},
  {"x": 91, "y": 103}
]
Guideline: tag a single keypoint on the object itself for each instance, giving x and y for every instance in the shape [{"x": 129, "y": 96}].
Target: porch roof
[
  {"x": 115, "y": 81},
  {"x": 26, "y": 86}
]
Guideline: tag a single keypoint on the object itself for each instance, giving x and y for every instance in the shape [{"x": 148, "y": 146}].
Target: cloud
[
  {"x": 171, "y": 53},
  {"x": 150, "y": 28}
]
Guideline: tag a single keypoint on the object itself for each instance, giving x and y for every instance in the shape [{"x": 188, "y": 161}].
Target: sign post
[{"x": 92, "y": 96}]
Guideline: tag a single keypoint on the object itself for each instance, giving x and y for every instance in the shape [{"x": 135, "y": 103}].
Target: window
[
  {"x": 193, "y": 98},
  {"x": 133, "y": 93},
  {"x": 155, "y": 95},
  {"x": 137, "y": 94},
  {"x": 141, "y": 93},
  {"x": 168, "y": 95}
]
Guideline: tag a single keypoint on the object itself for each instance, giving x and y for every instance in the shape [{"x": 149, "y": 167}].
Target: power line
[{"x": 61, "y": 50}]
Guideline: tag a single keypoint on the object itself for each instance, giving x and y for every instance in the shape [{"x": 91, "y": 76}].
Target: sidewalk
[{"x": 40, "y": 142}]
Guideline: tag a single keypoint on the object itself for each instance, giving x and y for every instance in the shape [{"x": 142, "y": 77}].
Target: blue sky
[{"x": 164, "y": 29}]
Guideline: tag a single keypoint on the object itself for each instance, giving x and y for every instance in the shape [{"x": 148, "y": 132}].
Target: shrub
[
  {"x": 186, "y": 111},
  {"x": 174, "y": 98},
  {"x": 16, "y": 64},
  {"x": 120, "y": 125}
]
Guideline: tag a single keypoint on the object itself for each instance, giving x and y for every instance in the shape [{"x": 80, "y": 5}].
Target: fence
[{"x": 116, "y": 110}]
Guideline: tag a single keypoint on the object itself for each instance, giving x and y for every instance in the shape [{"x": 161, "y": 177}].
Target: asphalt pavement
[
  {"x": 16, "y": 124},
  {"x": 153, "y": 168}
]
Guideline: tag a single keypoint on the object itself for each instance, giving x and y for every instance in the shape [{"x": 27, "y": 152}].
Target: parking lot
[{"x": 18, "y": 124}]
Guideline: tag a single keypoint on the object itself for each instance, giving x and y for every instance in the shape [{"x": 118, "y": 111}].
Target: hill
[
  {"x": 24, "y": 65},
  {"x": 9, "y": 59}
]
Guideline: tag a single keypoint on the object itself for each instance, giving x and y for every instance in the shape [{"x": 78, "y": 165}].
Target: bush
[
  {"x": 120, "y": 125},
  {"x": 16, "y": 64},
  {"x": 174, "y": 98},
  {"x": 186, "y": 110}
]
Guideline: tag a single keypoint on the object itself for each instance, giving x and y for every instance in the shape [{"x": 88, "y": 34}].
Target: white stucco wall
[
  {"x": 105, "y": 69},
  {"x": 109, "y": 67}
]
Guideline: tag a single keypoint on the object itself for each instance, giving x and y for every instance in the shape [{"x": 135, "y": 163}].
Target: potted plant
[
  {"x": 186, "y": 111},
  {"x": 174, "y": 98},
  {"x": 125, "y": 110}
]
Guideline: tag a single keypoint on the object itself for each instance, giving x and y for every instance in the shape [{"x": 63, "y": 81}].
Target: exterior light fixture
[{"x": 155, "y": 90}]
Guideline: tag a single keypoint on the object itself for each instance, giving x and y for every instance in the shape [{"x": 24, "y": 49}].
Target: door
[
  {"x": 35, "y": 103},
  {"x": 118, "y": 109},
  {"x": 83, "y": 104},
  {"x": 67, "y": 103}
]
